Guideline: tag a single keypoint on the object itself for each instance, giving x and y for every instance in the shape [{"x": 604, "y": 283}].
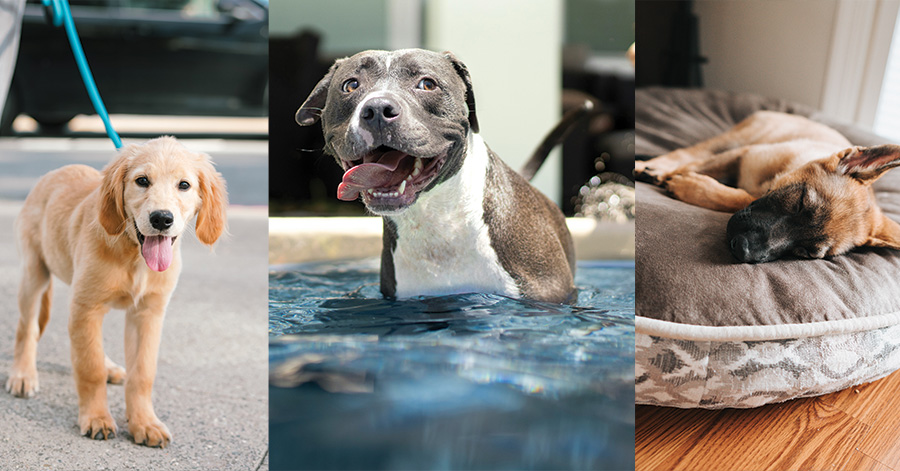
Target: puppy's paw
[
  {"x": 645, "y": 172},
  {"x": 658, "y": 169},
  {"x": 98, "y": 426},
  {"x": 115, "y": 374},
  {"x": 688, "y": 187},
  {"x": 152, "y": 433},
  {"x": 22, "y": 383}
]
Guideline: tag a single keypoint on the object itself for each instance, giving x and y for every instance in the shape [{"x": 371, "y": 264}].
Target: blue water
[{"x": 469, "y": 381}]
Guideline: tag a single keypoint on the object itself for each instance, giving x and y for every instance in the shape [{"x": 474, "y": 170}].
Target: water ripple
[{"x": 546, "y": 373}]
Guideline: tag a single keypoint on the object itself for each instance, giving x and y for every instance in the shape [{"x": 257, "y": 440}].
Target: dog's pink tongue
[
  {"x": 157, "y": 252},
  {"x": 369, "y": 175}
]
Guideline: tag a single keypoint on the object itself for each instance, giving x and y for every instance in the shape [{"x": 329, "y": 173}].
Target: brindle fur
[{"x": 800, "y": 187}]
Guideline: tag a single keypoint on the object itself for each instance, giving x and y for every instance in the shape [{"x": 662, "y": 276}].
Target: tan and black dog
[{"x": 799, "y": 187}]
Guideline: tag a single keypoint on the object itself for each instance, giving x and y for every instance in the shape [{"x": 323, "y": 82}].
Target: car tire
[
  {"x": 11, "y": 110},
  {"x": 54, "y": 124}
]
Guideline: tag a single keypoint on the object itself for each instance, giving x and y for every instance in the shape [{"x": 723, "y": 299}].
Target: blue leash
[{"x": 62, "y": 15}]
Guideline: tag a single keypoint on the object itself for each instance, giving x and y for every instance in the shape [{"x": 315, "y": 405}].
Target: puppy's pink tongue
[
  {"x": 157, "y": 252},
  {"x": 369, "y": 175}
]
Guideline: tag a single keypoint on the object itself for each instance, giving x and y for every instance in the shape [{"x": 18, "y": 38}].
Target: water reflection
[{"x": 454, "y": 382}]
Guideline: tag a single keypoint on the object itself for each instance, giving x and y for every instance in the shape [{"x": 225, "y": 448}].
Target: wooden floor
[{"x": 854, "y": 429}]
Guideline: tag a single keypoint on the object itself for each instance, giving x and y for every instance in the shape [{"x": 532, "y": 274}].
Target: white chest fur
[{"x": 443, "y": 245}]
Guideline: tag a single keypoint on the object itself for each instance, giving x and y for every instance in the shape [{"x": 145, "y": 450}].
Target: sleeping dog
[
  {"x": 402, "y": 125},
  {"x": 114, "y": 236},
  {"x": 801, "y": 187}
]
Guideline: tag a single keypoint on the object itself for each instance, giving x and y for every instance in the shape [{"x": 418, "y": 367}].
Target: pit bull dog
[{"x": 402, "y": 124}]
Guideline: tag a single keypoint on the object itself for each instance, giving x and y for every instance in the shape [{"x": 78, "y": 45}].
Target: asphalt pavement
[{"x": 211, "y": 385}]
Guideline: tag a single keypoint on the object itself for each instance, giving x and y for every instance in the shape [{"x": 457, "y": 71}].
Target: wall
[
  {"x": 365, "y": 23},
  {"x": 774, "y": 48},
  {"x": 513, "y": 52}
]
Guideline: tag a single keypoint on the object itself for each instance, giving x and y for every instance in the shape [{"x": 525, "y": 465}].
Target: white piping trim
[{"x": 744, "y": 333}]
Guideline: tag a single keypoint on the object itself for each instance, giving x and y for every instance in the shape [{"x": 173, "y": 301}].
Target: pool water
[{"x": 468, "y": 381}]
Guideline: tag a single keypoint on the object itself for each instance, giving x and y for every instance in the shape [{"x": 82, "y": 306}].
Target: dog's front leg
[
  {"x": 143, "y": 327},
  {"x": 706, "y": 192},
  {"x": 89, "y": 365}
]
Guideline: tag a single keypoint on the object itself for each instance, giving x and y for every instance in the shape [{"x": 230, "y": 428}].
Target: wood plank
[
  {"x": 874, "y": 403},
  {"x": 678, "y": 430},
  {"x": 800, "y": 434},
  {"x": 882, "y": 443},
  {"x": 861, "y": 462}
]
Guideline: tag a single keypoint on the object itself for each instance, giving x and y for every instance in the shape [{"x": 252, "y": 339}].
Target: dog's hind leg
[
  {"x": 35, "y": 292},
  {"x": 724, "y": 166},
  {"x": 717, "y": 155},
  {"x": 759, "y": 128},
  {"x": 115, "y": 374}
]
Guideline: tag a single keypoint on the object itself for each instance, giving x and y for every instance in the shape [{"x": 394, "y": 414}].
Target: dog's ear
[
  {"x": 867, "y": 164},
  {"x": 885, "y": 233},
  {"x": 311, "y": 109},
  {"x": 214, "y": 201},
  {"x": 112, "y": 193},
  {"x": 463, "y": 73}
]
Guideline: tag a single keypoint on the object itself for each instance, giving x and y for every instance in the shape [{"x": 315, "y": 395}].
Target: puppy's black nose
[
  {"x": 740, "y": 248},
  {"x": 380, "y": 110},
  {"x": 161, "y": 220}
]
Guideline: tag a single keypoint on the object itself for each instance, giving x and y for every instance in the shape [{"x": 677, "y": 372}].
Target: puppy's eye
[
  {"x": 142, "y": 182},
  {"x": 184, "y": 186},
  {"x": 350, "y": 85},
  {"x": 427, "y": 84}
]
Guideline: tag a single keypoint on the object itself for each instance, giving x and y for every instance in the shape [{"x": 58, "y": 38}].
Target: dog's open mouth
[
  {"x": 156, "y": 250},
  {"x": 388, "y": 178}
]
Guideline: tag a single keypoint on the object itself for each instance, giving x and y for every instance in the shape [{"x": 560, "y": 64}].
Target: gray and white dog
[{"x": 402, "y": 124}]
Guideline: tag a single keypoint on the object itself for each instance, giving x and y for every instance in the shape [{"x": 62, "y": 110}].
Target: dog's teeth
[
  {"x": 402, "y": 187},
  {"x": 371, "y": 191}
]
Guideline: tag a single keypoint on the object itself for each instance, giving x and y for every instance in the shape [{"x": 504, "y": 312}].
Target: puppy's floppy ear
[
  {"x": 311, "y": 109},
  {"x": 885, "y": 233},
  {"x": 867, "y": 164},
  {"x": 214, "y": 200},
  {"x": 112, "y": 193},
  {"x": 463, "y": 73}
]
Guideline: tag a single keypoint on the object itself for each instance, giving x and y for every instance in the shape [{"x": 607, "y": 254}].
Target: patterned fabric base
[{"x": 742, "y": 374}]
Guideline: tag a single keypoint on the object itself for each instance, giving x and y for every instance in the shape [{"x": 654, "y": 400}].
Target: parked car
[{"x": 172, "y": 57}]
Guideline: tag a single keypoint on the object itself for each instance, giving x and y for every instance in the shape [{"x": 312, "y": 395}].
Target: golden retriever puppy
[{"x": 114, "y": 236}]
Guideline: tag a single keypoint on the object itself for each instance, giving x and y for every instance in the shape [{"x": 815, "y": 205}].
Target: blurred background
[
  {"x": 830, "y": 55},
  {"x": 150, "y": 58},
  {"x": 195, "y": 69},
  {"x": 529, "y": 61}
]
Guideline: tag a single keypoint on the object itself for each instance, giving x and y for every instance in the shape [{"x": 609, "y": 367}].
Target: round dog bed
[{"x": 715, "y": 333}]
